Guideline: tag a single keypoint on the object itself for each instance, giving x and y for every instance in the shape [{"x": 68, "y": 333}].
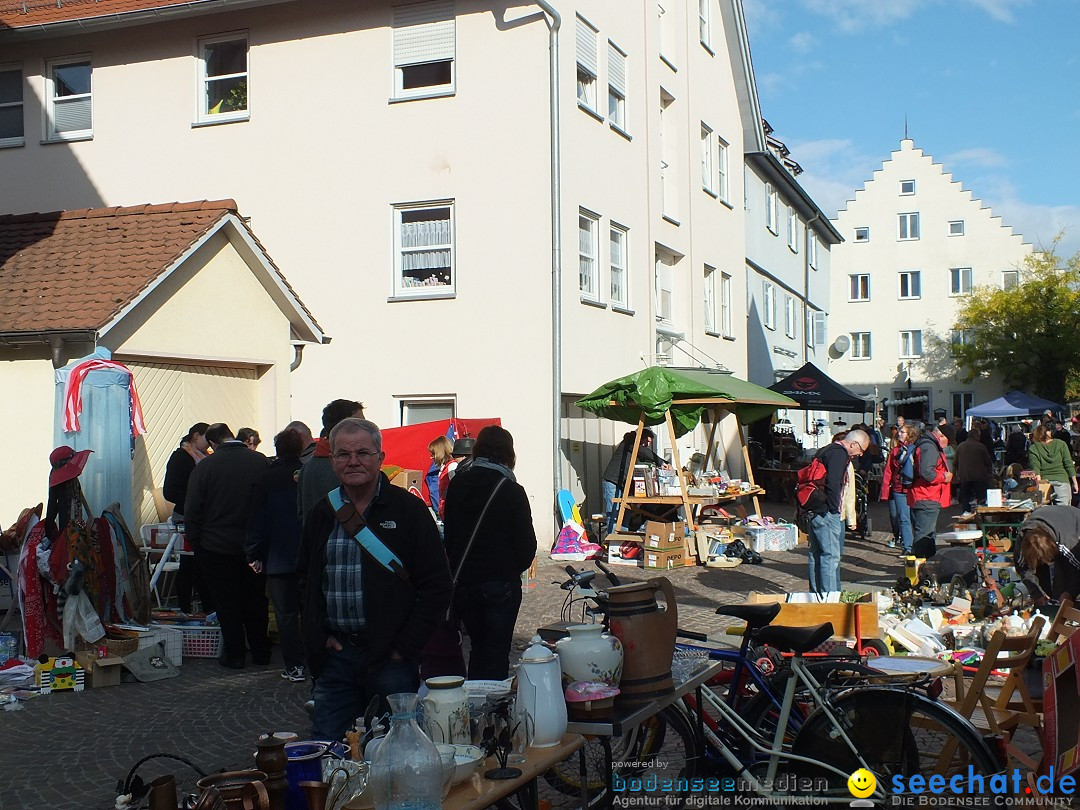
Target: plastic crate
[
  {"x": 171, "y": 637},
  {"x": 771, "y": 538},
  {"x": 202, "y": 642}
]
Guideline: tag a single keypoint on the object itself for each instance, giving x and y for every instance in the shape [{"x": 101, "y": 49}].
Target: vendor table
[
  {"x": 663, "y": 507},
  {"x": 1004, "y": 519}
]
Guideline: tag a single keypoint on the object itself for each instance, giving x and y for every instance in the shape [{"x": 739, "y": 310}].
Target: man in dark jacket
[
  {"x": 218, "y": 504},
  {"x": 826, "y": 529},
  {"x": 617, "y": 469},
  {"x": 974, "y": 469},
  {"x": 365, "y": 625}
]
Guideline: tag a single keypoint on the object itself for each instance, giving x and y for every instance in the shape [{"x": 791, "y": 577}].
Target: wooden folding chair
[
  {"x": 1000, "y": 709},
  {"x": 1066, "y": 622}
]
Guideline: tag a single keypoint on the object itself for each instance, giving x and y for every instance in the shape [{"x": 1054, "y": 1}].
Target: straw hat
[{"x": 66, "y": 464}]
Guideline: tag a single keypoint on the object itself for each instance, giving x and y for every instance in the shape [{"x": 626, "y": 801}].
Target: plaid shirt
[{"x": 341, "y": 581}]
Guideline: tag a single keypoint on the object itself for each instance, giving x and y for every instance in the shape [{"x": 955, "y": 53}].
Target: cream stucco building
[{"x": 916, "y": 244}]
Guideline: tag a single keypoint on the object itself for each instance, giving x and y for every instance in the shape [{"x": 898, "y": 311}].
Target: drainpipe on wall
[
  {"x": 556, "y": 241},
  {"x": 806, "y": 302},
  {"x": 298, "y": 356}
]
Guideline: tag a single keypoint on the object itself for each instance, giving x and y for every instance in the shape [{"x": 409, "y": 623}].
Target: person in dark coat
[
  {"x": 488, "y": 590},
  {"x": 615, "y": 473},
  {"x": 273, "y": 541},
  {"x": 1049, "y": 558},
  {"x": 178, "y": 470},
  {"x": 974, "y": 469}
]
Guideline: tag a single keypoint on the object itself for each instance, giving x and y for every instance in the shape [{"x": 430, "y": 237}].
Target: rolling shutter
[
  {"x": 424, "y": 32},
  {"x": 586, "y": 46}
]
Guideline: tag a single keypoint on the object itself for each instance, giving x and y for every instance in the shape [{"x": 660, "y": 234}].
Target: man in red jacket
[{"x": 929, "y": 492}]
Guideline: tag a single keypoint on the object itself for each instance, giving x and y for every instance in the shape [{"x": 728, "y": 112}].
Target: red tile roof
[
  {"x": 76, "y": 270},
  {"x": 26, "y": 13}
]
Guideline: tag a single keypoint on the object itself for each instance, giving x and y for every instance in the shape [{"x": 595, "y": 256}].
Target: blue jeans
[
  {"x": 611, "y": 509},
  {"x": 348, "y": 682},
  {"x": 826, "y": 549},
  {"x": 900, "y": 515}
]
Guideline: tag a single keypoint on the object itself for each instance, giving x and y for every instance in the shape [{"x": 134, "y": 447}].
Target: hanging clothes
[{"x": 73, "y": 395}]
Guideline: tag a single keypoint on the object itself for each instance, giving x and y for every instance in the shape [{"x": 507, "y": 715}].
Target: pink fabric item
[{"x": 73, "y": 395}]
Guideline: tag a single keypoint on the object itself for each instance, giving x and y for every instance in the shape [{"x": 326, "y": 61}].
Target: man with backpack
[
  {"x": 895, "y": 483},
  {"x": 930, "y": 490},
  {"x": 826, "y": 533}
]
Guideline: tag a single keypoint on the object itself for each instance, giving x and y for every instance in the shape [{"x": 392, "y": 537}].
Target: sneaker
[
  {"x": 569, "y": 550},
  {"x": 891, "y": 544},
  {"x": 294, "y": 674}
]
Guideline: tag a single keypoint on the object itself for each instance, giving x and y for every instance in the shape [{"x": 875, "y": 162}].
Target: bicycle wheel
[
  {"x": 673, "y": 761},
  {"x": 898, "y": 733}
]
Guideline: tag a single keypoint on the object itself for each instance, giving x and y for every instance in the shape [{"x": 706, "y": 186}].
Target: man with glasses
[
  {"x": 826, "y": 528},
  {"x": 368, "y": 608}
]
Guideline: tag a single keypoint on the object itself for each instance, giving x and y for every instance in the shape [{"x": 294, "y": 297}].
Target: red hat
[{"x": 66, "y": 464}]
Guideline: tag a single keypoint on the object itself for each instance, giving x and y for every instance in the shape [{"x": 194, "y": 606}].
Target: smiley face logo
[{"x": 861, "y": 783}]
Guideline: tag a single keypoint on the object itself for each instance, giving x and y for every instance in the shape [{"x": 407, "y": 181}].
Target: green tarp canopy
[{"x": 655, "y": 391}]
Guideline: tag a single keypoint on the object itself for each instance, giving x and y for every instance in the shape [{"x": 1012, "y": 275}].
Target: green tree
[{"x": 1026, "y": 334}]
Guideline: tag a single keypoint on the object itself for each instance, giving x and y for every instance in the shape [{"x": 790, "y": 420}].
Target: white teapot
[{"x": 540, "y": 701}]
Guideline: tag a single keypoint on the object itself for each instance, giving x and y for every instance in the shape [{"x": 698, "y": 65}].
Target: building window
[
  {"x": 667, "y": 33},
  {"x": 907, "y": 187},
  {"x": 961, "y": 401},
  {"x": 705, "y": 23},
  {"x": 588, "y": 224},
  {"x": 725, "y": 305},
  {"x": 1010, "y": 279},
  {"x": 707, "y": 159},
  {"x": 223, "y": 78},
  {"x": 811, "y": 251},
  {"x": 424, "y": 246},
  {"x": 418, "y": 411},
  {"x": 722, "y": 169},
  {"x": 862, "y": 234},
  {"x": 586, "y": 65},
  {"x": 617, "y": 253},
  {"x": 816, "y": 327},
  {"x": 792, "y": 229},
  {"x": 665, "y": 288},
  {"x": 962, "y": 337},
  {"x": 956, "y": 227},
  {"x": 909, "y": 226},
  {"x": 424, "y": 49},
  {"x": 911, "y": 343},
  {"x": 11, "y": 106},
  {"x": 789, "y": 316},
  {"x": 959, "y": 280},
  {"x": 910, "y": 284},
  {"x": 860, "y": 345},
  {"x": 859, "y": 287},
  {"x": 770, "y": 305},
  {"x": 710, "y": 300},
  {"x": 68, "y": 90},
  {"x": 616, "y": 87},
  {"x": 772, "y": 208}
]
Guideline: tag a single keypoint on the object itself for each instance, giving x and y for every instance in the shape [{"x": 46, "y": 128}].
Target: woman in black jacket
[
  {"x": 178, "y": 470},
  {"x": 488, "y": 572}
]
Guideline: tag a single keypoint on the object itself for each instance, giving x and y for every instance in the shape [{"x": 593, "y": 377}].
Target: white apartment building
[
  {"x": 916, "y": 245},
  {"x": 397, "y": 162}
]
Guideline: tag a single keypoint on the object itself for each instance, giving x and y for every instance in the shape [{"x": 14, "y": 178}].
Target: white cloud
[
  {"x": 851, "y": 16},
  {"x": 976, "y": 156},
  {"x": 802, "y": 42},
  {"x": 834, "y": 169},
  {"x": 1038, "y": 223},
  {"x": 1000, "y": 10}
]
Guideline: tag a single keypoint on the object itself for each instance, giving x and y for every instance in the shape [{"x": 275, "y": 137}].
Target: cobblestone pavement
[{"x": 67, "y": 750}]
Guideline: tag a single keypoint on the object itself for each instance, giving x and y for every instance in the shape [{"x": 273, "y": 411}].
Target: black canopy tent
[{"x": 814, "y": 390}]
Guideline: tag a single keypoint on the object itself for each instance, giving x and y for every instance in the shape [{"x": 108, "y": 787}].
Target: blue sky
[{"x": 989, "y": 88}]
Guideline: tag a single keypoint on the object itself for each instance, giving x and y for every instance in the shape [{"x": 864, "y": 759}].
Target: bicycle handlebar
[
  {"x": 612, "y": 578},
  {"x": 690, "y": 634}
]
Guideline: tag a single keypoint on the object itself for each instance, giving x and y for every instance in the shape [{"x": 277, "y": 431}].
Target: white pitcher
[
  {"x": 446, "y": 710},
  {"x": 540, "y": 695}
]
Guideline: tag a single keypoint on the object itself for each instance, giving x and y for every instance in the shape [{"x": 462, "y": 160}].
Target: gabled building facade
[{"x": 916, "y": 245}]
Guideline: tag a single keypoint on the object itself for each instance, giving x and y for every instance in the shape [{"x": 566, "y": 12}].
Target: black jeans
[
  {"x": 285, "y": 594},
  {"x": 240, "y": 596},
  {"x": 924, "y": 515},
  {"x": 489, "y": 612},
  {"x": 971, "y": 494}
]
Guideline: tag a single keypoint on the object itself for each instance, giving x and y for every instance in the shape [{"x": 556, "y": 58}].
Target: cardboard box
[
  {"x": 100, "y": 672},
  {"x": 407, "y": 479},
  {"x": 664, "y": 536},
  {"x": 663, "y": 560},
  {"x": 615, "y": 549}
]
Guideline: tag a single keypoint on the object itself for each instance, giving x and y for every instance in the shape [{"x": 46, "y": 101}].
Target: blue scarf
[{"x": 491, "y": 465}]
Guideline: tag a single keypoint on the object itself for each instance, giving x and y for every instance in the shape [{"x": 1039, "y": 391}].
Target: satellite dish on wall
[{"x": 841, "y": 344}]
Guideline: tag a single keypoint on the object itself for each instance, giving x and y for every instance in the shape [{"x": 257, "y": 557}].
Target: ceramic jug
[
  {"x": 648, "y": 638},
  {"x": 590, "y": 654},
  {"x": 540, "y": 699},
  {"x": 446, "y": 710}
]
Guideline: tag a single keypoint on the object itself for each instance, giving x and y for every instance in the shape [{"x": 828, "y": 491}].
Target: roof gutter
[
  {"x": 54, "y": 339},
  {"x": 770, "y": 164}
]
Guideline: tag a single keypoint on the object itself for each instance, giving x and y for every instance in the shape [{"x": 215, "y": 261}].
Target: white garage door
[{"x": 174, "y": 397}]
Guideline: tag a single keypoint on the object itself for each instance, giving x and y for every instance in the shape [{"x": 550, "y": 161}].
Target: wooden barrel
[{"x": 648, "y": 638}]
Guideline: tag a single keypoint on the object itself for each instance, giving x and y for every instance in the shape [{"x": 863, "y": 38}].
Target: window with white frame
[
  {"x": 665, "y": 288},
  {"x": 911, "y": 343},
  {"x": 418, "y": 411},
  {"x": 665, "y": 16},
  {"x": 586, "y": 65},
  {"x": 710, "y": 300},
  {"x": 907, "y": 187},
  {"x": 11, "y": 105},
  {"x": 705, "y": 23},
  {"x": 792, "y": 229},
  {"x": 1010, "y": 279},
  {"x": 617, "y": 252},
  {"x": 959, "y": 280},
  {"x": 812, "y": 250},
  {"x": 956, "y": 227},
  {"x": 588, "y": 226},
  {"x": 707, "y": 159},
  {"x": 722, "y": 169},
  {"x": 862, "y": 234},
  {"x": 961, "y": 401},
  {"x": 770, "y": 305},
  {"x": 424, "y": 49},
  {"x": 910, "y": 284},
  {"x": 909, "y": 226},
  {"x": 616, "y": 87},
  {"x": 962, "y": 337},
  {"x": 859, "y": 287},
  {"x": 424, "y": 249},
  {"x": 725, "y": 305},
  {"x": 790, "y": 317},
  {"x": 772, "y": 208},
  {"x": 223, "y": 77},
  {"x": 68, "y": 85},
  {"x": 860, "y": 346}
]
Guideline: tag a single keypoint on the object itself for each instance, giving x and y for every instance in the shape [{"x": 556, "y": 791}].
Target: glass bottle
[{"x": 406, "y": 772}]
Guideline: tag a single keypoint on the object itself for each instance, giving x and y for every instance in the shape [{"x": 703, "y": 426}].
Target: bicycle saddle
[
  {"x": 755, "y": 616},
  {"x": 795, "y": 639}
]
